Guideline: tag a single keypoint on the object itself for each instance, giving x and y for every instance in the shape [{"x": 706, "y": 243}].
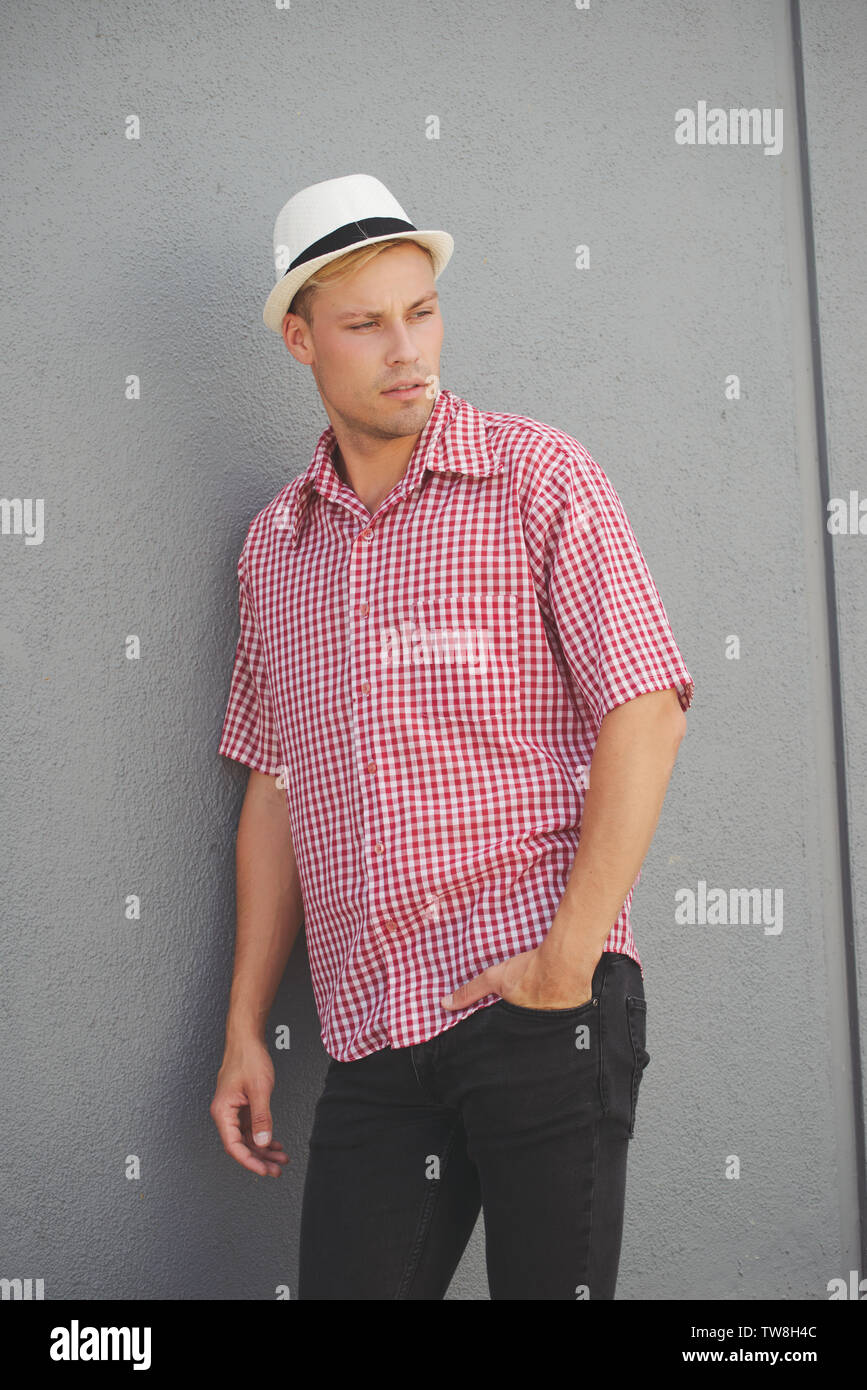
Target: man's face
[{"x": 379, "y": 326}]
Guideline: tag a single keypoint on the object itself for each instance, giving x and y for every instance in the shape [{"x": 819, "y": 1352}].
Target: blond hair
[{"x": 339, "y": 269}]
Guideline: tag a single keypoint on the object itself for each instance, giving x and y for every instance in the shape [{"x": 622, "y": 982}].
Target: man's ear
[{"x": 296, "y": 339}]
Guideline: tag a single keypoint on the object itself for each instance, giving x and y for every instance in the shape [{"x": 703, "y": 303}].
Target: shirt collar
[{"x": 453, "y": 439}]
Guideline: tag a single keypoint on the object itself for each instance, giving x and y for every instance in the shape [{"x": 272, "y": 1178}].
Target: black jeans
[{"x": 526, "y": 1113}]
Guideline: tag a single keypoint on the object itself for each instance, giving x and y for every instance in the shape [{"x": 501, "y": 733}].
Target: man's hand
[
  {"x": 629, "y": 773},
  {"x": 535, "y": 979},
  {"x": 241, "y": 1110}
]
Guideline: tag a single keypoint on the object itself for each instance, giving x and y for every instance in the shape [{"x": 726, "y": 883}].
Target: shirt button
[
  {"x": 378, "y": 847},
  {"x": 365, "y": 687},
  {"x": 390, "y": 925},
  {"x": 367, "y": 535},
  {"x": 371, "y": 767},
  {"x": 364, "y": 609}
]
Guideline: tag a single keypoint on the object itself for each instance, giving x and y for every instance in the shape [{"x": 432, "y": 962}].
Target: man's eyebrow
[{"x": 377, "y": 313}]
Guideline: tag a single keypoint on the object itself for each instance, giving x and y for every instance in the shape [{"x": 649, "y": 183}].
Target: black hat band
[{"x": 349, "y": 233}]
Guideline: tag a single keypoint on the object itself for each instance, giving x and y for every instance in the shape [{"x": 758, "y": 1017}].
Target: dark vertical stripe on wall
[{"x": 833, "y": 640}]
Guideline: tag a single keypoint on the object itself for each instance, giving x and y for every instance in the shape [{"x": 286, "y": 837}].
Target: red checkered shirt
[{"x": 428, "y": 684}]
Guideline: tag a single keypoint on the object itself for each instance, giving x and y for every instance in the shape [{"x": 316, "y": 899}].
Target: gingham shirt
[{"x": 428, "y": 683}]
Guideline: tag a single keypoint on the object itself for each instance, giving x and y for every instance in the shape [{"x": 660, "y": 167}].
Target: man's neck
[{"x": 373, "y": 479}]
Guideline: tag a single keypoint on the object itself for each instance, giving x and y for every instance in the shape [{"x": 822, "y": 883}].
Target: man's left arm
[{"x": 629, "y": 775}]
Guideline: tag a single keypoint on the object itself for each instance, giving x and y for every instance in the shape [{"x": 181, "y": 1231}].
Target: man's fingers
[
  {"x": 274, "y": 1150},
  {"x": 467, "y": 994},
  {"x": 233, "y": 1142},
  {"x": 238, "y": 1145},
  {"x": 242, "y": 1154}
]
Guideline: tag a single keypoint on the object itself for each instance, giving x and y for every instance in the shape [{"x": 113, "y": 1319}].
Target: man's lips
[{"x": 406, "y": 391}]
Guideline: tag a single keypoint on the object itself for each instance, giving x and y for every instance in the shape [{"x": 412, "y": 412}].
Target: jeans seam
[
  {"x": 424, "y": 1219},
  {"x": 592, "y": 1192},
  {"x": 603, "y": 1095},
  {"x": 637, "y": 1070},
  {"x": 414, "y": 1067}
]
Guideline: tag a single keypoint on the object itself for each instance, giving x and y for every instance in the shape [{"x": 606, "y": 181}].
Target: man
[{"x": 461, "y": 702}]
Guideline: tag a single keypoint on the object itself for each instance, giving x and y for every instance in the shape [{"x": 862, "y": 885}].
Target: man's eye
[{"x": 420, "y": 314}]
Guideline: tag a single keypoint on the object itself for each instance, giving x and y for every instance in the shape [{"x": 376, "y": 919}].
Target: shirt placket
[{"x": 367, "y": 737}]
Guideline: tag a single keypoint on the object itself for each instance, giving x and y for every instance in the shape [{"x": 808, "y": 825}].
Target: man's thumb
[{"x": 260, "y": 1119}]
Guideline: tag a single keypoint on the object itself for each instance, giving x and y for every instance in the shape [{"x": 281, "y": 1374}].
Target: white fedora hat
[{"x": 328, "y": 219}]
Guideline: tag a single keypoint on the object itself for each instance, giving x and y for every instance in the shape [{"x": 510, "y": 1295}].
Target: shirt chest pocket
[{"x": 467, "y": 655}]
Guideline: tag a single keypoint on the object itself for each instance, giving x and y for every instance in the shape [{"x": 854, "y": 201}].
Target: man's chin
[{"x": 405, "y": 413}]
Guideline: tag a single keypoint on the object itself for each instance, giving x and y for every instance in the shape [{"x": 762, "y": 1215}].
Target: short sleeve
[
  {"x": 608, "y": 614},
  {"x": 250, "y": 728}
]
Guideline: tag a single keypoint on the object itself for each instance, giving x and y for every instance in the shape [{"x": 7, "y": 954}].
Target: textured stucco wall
[{"x": 152, "y": 257}]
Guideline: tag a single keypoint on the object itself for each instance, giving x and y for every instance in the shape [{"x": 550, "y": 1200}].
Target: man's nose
[{"x": 400, "y": 343}]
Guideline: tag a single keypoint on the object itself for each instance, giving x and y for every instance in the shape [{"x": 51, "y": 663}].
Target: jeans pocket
[
  {"x": 636, "y": 1012},
  {"x": 576, "y": 1009}
]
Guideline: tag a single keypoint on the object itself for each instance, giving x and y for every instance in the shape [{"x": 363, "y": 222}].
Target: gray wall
[{"x": 153, "y": 257}]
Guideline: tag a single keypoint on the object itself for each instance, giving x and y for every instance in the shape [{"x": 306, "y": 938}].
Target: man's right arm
[
  {"x": 269, "y": 907},
  {"x": 269, "y": 915}
]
